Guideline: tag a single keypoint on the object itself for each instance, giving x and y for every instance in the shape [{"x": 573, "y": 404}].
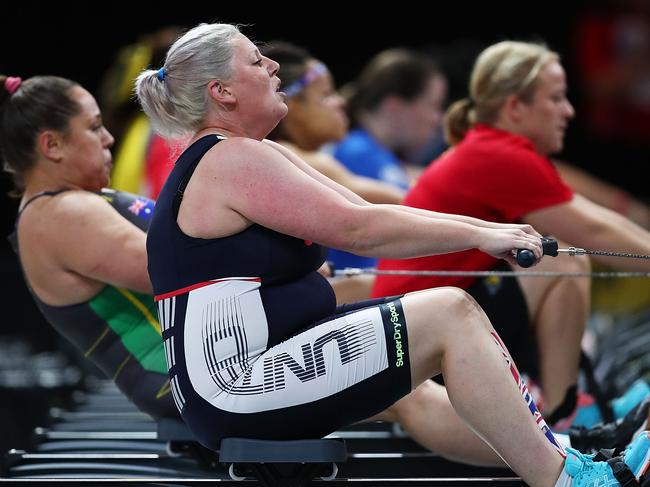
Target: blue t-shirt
[{"x": 364, "y": 156}]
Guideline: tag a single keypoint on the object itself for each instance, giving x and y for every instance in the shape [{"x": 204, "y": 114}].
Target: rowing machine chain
[{"x": 577, "y": 251}]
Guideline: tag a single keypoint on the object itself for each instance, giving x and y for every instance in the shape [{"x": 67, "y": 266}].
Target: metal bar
[
  {"x": 183, "y": 481},
  {"x": 354, "y": 271}
]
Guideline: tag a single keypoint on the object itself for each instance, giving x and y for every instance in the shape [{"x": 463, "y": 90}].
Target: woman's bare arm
[{"x": 264, "y": 186}]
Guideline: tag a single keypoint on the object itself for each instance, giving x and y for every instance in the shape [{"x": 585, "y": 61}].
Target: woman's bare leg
[
  {"x": 449, "y": 333},
  {"x": 559, "y": 308},
  {"x": 427, "y": 415}
]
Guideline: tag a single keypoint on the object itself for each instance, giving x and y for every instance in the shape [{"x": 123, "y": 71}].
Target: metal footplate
[{"x": 282, "y": 463}]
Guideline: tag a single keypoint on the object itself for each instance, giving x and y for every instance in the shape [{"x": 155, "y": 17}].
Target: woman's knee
[
  {"x": 445, "y": 305},
  {"x": 572, "y": 265},
  {"x": 437, "y": 320}
]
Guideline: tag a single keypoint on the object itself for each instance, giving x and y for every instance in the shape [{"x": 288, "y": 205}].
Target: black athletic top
[
  {"x": 293, "y": 293},
  {"x": 117, "y": 329}
]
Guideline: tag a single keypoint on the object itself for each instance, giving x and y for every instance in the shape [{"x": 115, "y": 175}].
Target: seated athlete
[
  {"x": 116, "y": 327},
  {"x": 316, "y": 117},
  {"x": 67, "y": 233},
  {"x": 394, "y": 104},
  {"x": 58, "y": 151},
  {"x": 258, "y": 348},
  {"x": 498, "y": 169}
]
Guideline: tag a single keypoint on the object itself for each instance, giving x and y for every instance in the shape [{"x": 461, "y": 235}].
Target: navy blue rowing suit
[{"x": 257, "y": 346}]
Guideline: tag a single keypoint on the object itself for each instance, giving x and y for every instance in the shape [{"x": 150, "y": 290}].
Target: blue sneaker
[
  {"x": 585, "y": 472},
  {"x": 588, "y": 414},
  {"x": 637, "y": 454},
  {"x": 635, "y": 394}
]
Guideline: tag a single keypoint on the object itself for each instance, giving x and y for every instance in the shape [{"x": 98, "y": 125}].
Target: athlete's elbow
[
  {"x": 355, "y": 231},
  {"x": 346, "y": 238},
  {"x": 361, "y": 240}
]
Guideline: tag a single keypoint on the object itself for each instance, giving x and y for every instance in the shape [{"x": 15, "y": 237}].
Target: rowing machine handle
[{"x": 526, "y": 258}]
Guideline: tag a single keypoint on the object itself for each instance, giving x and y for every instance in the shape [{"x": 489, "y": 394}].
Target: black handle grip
[{"x": 526, "y": 258}]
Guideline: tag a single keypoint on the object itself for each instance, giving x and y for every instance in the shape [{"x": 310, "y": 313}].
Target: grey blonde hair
[
  {"x": 503, "y": 69},
  {"x": 176, "y": 104}
]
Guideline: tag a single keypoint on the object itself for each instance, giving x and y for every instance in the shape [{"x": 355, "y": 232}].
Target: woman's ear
[
  {"x": 50, "y": 145},
  {"x": 221, "y": 93},
  {"x": 512, "y": 108}
]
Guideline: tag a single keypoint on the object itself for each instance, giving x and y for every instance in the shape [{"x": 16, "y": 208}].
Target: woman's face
[
  {"x": 316, "y": 115},
  {"x": 86, "y": 145},
  {"x": 256, "y": 86},
  {"x": 545, "y": 118},
  {"x": 418, "y": 119}
]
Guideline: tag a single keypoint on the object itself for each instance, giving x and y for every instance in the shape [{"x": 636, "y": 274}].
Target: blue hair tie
[{"x": 161, "y": 74}]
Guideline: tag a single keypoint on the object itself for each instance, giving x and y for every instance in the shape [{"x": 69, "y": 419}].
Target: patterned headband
[{"x": 300, "y": 84}]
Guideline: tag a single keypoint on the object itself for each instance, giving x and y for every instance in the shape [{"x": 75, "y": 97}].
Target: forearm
[
  {"x": 615, "y": 233},
  {"x": 585, "y": 224},
  {"x": 448, "y": 216},
  {"x": 376, "y": 192},
  {"x": 387, "y": 232}
]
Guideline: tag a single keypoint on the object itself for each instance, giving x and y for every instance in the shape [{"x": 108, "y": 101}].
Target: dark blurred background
[
  {"x": 605, "y": 47},
  {"x": 51, "y": 38}
]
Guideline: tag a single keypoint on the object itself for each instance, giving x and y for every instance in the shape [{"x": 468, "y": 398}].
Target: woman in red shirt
[{"x": 499, "y": 170}]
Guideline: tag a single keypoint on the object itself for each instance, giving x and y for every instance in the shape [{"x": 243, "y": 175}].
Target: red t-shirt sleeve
[{"x": 159, "y": 162}]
